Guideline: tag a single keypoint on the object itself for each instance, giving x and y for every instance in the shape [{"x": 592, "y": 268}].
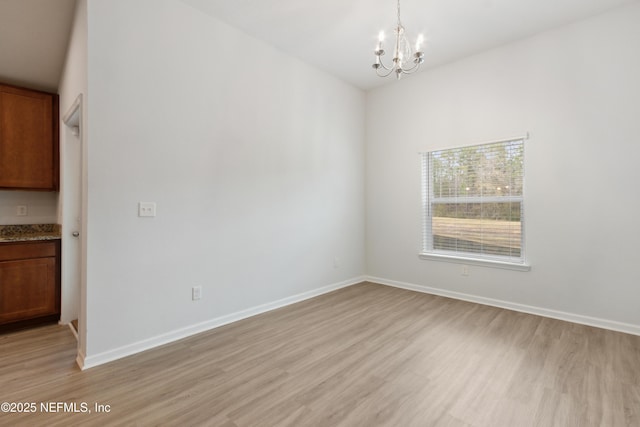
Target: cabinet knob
[{"x": 75, "y": 233}]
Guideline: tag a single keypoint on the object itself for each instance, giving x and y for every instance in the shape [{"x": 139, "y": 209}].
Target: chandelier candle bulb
[
  {"x": 379, "y": 50},
  {"x": 419, "y": 42}
]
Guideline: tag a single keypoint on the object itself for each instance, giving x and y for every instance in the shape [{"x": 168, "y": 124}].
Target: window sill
[{"x": 475, "y": 261}]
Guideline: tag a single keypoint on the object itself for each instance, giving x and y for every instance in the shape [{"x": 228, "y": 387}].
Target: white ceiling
[
  {"x": 339, "y": 36},
  {"x": 335, "y": 35},
  {"x": 34, "y": 35}
]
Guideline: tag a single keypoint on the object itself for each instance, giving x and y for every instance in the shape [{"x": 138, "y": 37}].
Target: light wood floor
[{"x": 367, "y": 355}]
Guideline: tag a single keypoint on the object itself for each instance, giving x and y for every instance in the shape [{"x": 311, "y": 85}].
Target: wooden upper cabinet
[{"x": 29, "y": 158}]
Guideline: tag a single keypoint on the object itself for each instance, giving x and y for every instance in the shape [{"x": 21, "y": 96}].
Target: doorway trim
[{"x": 73, "y": 120}]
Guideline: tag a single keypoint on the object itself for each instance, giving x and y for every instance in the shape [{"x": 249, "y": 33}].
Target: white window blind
[{"x": 473, "y": 201}]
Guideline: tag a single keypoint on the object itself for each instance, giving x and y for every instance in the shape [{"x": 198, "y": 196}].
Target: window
[{"x": 473, "y": 203}]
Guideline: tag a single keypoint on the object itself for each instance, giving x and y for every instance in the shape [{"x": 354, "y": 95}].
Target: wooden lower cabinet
[{"x": 29, "y": 283}]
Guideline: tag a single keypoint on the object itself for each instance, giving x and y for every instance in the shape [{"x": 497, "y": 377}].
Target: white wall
[
  {"x": 41, "y": 207},
  {"x": 576, "y": 90},
  {"x": 73, "y": 84},
  {"x": 255, "y": 161}
]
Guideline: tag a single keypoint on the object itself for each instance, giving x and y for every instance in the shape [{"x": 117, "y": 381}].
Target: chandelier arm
[
  {"x": 390, "y": 70},
  {"x": 412, "y": 69},
  {"x": 384, "y": 66}
]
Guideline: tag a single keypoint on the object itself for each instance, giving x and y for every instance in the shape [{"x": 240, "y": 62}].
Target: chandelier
[{"x": 405, "y": 61}]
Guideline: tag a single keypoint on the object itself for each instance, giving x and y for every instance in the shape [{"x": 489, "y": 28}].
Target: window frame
[{"x": 470, "y": 258}]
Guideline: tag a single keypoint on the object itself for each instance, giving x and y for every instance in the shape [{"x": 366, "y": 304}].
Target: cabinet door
[
  {"x": 28, "y": 144},
  {"x": 27, "y": 289}
]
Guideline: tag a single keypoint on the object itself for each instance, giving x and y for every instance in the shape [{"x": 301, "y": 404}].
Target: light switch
[{"x": 146, "y": 209}]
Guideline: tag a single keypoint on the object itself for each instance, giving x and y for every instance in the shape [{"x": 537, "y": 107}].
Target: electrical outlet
[
  {"x": 336, "y": 262},
  {"x": 465, "y": 270},
  {"x": 22, "y": 210},
  {"x": 196, "y": 293},
  {"x": 147, "y": 209}
]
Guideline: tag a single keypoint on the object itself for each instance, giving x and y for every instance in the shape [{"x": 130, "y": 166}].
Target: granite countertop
[{"x": 24, "y": 233}]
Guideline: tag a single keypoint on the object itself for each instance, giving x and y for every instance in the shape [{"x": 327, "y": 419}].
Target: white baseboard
[
  {"x": 544, "y": 312},
  {"x": 80, "y": 357},
  {"x": 86, "y": 362}
]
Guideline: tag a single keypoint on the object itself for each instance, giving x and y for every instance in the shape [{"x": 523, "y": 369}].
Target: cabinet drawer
[{"x": 26, "y": 250}]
